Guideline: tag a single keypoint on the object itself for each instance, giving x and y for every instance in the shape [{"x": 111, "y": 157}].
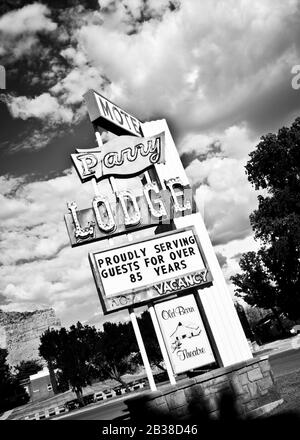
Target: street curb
[
  {"x": 265, "y": 409},
  {"x": 6, "y": 414},
  {"x": 56, "y": 411},
  {"x": 83, "y": 410},
  {"x": 45, "y": 414}
]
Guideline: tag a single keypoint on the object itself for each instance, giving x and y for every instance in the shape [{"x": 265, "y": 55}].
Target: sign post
[{"x": 142, "y": 350}]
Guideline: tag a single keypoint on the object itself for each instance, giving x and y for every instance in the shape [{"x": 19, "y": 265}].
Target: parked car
[
  {"x": 75, "y": 403},
  {"x": 118, "y": 390},
  {"x": 295, "y": 330},
  {"x": 88, "y": 398}
]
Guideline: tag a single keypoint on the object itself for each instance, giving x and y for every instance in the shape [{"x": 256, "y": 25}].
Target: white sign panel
[
  {"x": 155, "y": 262},
  {"x": 110, "y": 116},
  {"x": 184, "y": 334}
]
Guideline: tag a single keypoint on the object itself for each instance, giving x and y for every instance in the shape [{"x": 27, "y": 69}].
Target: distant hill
[{"x": 20, "y": 333}]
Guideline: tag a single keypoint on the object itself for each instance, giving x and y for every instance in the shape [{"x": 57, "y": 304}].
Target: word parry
[{"x": 120, "y": 157}]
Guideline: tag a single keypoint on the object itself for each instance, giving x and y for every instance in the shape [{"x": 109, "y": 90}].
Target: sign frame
[
  {"x": 140, "y": 153},
  {"x": 98, "y": 116},
  {"x": 207, "y": 338},
  {"x": 100, "y": 287},
  {"x": 87, "y": 216}
]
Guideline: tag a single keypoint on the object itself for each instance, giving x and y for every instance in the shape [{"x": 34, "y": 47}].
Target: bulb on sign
[
  {"x": 171, "y": 183},
  {"x": 109, "y": 224},
  {"x": 88, "y": 163},
  {"x": 155, "y": 212},
  {"x": 80, "y": 233},
  {"x": 132, "y": 218},
  {"x": 106, "y": 217}
]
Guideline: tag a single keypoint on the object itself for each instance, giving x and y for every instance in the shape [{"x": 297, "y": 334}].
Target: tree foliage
[
  {"x": 83, "y": 353},
  {"x": 71, "y": 351},
  {"x": 12, "y": 394},
  {"x": 117, "y": 351},
  {"x": 270, "y": 278},
  {"x": 51, "y": 346},
  {"x": 150, "y": 340},
  {"x": 255, "y": 284},
  {"x": 26, "y": 368}
]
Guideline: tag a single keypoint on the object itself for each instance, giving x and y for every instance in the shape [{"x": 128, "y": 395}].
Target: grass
[{"x": 289, "y": 388}]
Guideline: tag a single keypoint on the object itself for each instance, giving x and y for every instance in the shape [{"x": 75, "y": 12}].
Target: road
[
  {"x": 106, "y": 411},
  {"x": 281, "y": 363},
  {"x": 285, "y": 362}
]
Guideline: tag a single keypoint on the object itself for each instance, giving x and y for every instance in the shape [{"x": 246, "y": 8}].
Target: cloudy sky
[{"x": 219, "y": 72}]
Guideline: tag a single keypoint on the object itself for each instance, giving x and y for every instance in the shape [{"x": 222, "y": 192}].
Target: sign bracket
[{"x": 142, "y": 350}]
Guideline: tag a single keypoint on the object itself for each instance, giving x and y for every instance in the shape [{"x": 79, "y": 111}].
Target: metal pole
[
  {"x": 94, "y": 182},
  {"x": 142, "y": 350},
  {"x": 162, "y": 345},
  {"x": 100, "y": 145}
]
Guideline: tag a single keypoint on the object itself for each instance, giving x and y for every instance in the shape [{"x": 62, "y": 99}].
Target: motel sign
[{"x": 164, "y": 257}]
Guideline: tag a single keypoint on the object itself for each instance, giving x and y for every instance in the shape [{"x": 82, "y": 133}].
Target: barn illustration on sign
[{"x": 183, "y": 331}]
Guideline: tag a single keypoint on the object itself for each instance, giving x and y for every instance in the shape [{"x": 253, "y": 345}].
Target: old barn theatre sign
[
  {"x": 184, "y": 333},
  {"x": 109, "y": 116},
  {"x": 139, "y": 272},
  {"x": 129, "y": 213},
  {"x": 124, "y": 156}
]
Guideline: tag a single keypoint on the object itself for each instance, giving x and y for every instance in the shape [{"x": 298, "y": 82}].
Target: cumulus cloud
[
  {"x": 215, "y": 168},
  {"x": 203, "y": 65},
  {"x": 19, "y": 28},
  {"x": 225, "y": 197},
  {"x": 8, "y": 185},
  {"x": 36, "y": 140},
  {"x": 38, "y": 266},
  {"x": 64, "y": 283},
  {"x": 43, "y": 106},
  {"x": 29, "y": 19},
  {"x": 232, "y": 252},
  {"x": 76, "y": 83},
  {"x": 219, "y": 72},
  {"x": 221, "y": 259}
]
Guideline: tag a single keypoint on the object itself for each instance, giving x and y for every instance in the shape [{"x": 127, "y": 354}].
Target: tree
[
  {"x": 62, "y": 381},
  {"x": 244, "y": 321},
  {"x": 12, "y": 394},
  {"x": 49, "y": 349},
  {"x": 255, "y": 315},
  {"x": 254, "y": 284},
  {"x": 271, "y": 277},
  {"x": 117, "y": 352},
  {"x": 27, "y": 368},
  {"x": 72, "y": 352},
  {"x": 82, "y": 353},
  {"x": 77, "y": 354},
  {"x": 150, "y": 340}
]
